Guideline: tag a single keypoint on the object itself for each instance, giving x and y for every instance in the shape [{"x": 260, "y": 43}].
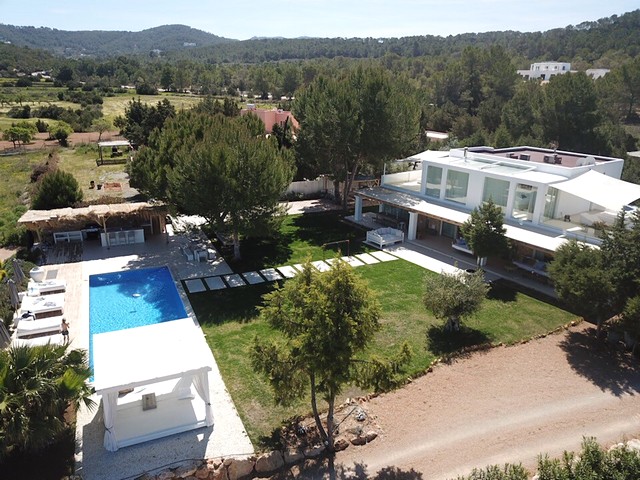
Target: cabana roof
[
  {"x": 150, "y": 354},
  {"x": 61, "y": 217},
  {"x": 115, "y": 143}
]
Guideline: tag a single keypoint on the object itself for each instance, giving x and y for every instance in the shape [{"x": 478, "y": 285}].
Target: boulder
[
  {"x": 359, "y": 440},
  {"x": 292, "y": 455},
  {"x": 268, "y": 463},
  {"x": 220, "y": 473},
  {"x": 634, "y": 445},
  {"x": 314, "y": 452},
  {"x": 187, "y": 469},
  {"x": 340, "y": 444},
  {"x": 239, "y": 467}
]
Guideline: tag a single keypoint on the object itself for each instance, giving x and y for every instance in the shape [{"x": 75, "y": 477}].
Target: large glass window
[
  {"x": 550, "y": 200},
  {"x": 434, "y": 179},
  {"x": 496, "y": 190},
  {"x": 457, "y": 184},
  {"x": 524, "y": 202}
]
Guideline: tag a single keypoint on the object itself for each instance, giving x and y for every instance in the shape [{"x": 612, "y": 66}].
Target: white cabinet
[{"x": 122, "y": 237}]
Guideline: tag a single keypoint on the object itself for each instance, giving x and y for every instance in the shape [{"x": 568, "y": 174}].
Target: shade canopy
[
  {"x": 601, "y": 189},
  {"x": 153, "y": 353}
]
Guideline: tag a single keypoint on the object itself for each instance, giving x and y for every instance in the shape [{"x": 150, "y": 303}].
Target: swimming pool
[{"x": 132, "y": 298}]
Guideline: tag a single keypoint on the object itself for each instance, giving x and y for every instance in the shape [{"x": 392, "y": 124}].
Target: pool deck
[{"x": 226, "y": 438}]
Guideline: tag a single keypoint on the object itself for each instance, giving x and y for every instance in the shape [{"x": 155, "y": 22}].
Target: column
[
  {"x": 357, "y": 214},
  {"x": 413, "y": 226}
]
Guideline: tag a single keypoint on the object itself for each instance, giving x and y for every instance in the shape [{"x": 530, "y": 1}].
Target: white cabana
[
  {"x": 153, "y": 381},
  {"x": 601, "y": 189}
]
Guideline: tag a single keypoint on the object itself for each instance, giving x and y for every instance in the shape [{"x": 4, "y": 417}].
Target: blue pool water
[{"x": 131, "y": 298}]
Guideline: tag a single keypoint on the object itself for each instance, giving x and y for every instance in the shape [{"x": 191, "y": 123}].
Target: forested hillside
[{"x": 105, "y": 43}]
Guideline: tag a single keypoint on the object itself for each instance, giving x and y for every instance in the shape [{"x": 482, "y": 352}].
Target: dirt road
[{"x": 505, "y": 405}]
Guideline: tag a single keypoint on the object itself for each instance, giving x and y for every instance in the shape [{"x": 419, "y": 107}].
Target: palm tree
[{"x": 37, "y": 385}]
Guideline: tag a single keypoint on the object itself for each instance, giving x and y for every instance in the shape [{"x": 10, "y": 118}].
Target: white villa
[
  {"x": 545, "y": 70},
  {"x": 547, "y": 196}
]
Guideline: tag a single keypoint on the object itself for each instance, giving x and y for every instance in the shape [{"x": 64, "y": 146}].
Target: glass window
[
  {"x": 457, "y": 183},
  {"x": 550, "y": 200},
  {"x": 496, "y": 190},
  {"x": 524, "y": 202},
  {"x": 434, "y": 179}
]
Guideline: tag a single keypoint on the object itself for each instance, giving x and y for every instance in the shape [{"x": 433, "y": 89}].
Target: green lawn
[
  {"x": 301, "y": 237},
  {"x": 230, "y": 320}
]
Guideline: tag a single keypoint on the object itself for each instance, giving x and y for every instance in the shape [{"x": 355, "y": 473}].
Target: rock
[
  {"x": 359, "y": 440},
  {"x": 360, "y": 415},
  {"x": 187, "y": 469},
  {"x": 314, "y": 452},
  {"x": 634, "y": 445},
  {"x": 371, "y": 436},
  {"x": 165, "y": 475},
  {"x": 268, "y": 463},
  {"x": 292, "y": 456},
  {"x": 239, "y": 467},
  {"x": 340, "y": 444},
  {"x": 220, "y": 473},
  {"x": 202, "y": 473},
  {"x": 357, "y": 430}
]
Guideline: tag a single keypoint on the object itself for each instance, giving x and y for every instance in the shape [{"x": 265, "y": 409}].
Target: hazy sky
[{"x": 242, "y": 19}]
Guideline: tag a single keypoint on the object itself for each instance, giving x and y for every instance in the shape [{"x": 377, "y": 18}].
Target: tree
[
  {"x": 582, "y": 281},
  {"x": 37, "y": 385},
  {"x": 102, "y": 125},
  {"x": 484, "y": 231},
  {"x": 56, "y": 189},
  {"x": 141, "y": 119},
  {"x": 216, "y": 167},
  {"x": 20, "y": 133},
  {"x": 61, "y": 131},
  {"x": 454, "y": 296},
  {"x": 325, "y": 321},
  {"x": 354, "y": 124}
]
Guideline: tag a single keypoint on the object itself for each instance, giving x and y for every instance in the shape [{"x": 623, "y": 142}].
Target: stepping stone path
[
  {"x": 321, "y": 266},
  {"x": 215, "y": 283},
  {"x": 367, "y": 259},
  {"x": 234, "y": 280},
  {"x": 195, "y": 285},
  {"x": 383, "y": 256},
  {"x": 271, "y": 274},
  {"x": 253, "y": 278},
  {"x": 288, "y": 271}
]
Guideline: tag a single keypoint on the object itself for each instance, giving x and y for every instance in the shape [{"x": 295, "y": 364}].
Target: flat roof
[
  {"x": 114, "y": 143},
  {"x": 150, "y": 354}
]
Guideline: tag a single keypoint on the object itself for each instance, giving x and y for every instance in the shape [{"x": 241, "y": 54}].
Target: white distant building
[
  {"x": 596, "y": 73},
  {"x": 545, "y": 70}
]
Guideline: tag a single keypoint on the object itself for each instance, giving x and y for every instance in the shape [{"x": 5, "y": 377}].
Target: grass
[
  {"x": 230, "y": 320},
  {"x": 301, "y": 237},
  {"x": 114, "y": 106}
]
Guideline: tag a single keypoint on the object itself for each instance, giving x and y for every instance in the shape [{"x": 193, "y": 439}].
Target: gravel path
[{"x": 505, "y": 405}]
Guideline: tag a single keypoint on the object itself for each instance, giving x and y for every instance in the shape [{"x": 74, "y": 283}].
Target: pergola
[
  {"x": 112, "y": 144},
  {"x": 154, "y": 381},
  {"x": 61, "y": 219}
]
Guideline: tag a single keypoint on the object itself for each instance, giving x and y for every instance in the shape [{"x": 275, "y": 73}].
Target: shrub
[
  {"x": 57, "y": 189},
  {"x": 42, "y": 126}
]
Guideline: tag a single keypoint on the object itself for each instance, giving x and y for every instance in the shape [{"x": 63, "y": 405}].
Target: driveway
[{"x": 505, "y": 405}]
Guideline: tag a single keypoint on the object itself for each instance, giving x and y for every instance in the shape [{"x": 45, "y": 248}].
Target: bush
[
  {"x": 40, "y": 169},
  {"x": 20, "y": 112},
  {"x": 57, "y": 189},
  {"x": 24, "y": 82},
  {"x": 42, "y": 126},
  {"x": 61, "y": 133},
  {"x": 146, "y": 89}
]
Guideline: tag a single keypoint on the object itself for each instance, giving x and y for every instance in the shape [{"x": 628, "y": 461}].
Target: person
[{"x": 64, "y": 329}]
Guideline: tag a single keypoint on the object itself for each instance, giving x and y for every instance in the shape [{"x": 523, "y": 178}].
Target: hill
[{"x": 108, "y": 43}]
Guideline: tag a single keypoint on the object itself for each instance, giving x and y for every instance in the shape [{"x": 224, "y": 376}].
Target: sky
[{"x": 243, "y": 19}]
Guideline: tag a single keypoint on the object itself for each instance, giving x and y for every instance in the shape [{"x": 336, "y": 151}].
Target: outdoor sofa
[{"x": 385, "y": 236}]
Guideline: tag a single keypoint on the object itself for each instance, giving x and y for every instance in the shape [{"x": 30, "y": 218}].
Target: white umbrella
[
  {"x": 18, "y": 274},
  {"x": 13, "y": 293}
]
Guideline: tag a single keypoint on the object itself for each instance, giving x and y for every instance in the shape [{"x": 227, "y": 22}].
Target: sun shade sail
[{"x": 601, "y": 189}]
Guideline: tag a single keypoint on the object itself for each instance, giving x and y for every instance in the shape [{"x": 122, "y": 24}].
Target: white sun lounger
[
  {"x": 43, "y": 304},
  {"x": 55, "y": 339},
  {"x": 35, "y": 289},
  {"x": 31, "y": 326}
]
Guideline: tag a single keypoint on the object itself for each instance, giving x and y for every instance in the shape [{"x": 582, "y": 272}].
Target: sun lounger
[
  {"x": 40, "y": 306},
  {"x": 32, "y": 341},
  {"x": 31, "y": 326},
  {"x": 36, "y": 289}
]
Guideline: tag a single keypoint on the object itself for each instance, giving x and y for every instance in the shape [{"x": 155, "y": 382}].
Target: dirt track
[{"x": 505, "y": 405}]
